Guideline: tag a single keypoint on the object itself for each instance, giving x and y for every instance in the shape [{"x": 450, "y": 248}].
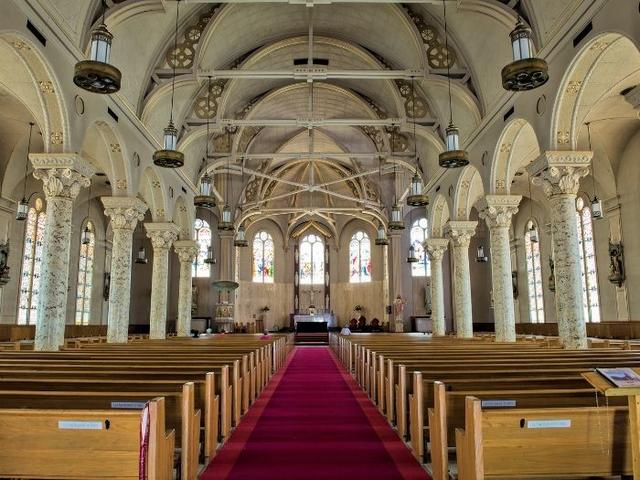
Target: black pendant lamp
[
  {"x": 240, "y": 239},
  {"x": 411, "y": 255},
  {"x": 206, "y": 198},
  {"x": 533, "y": 231},
  {"x": 381, "y": 236},
  {"x": 141, "y": 258},
  {"x": 453, "y": 156},
  {"x": 596, "y": 204},
  {"x": 525, "y": 72},
  {"x": 169, "y": 156},
  {"x": 416, "y": 198},
  {"x": 23, "y": 205},
  {"x": 396, "y": 222},
  {"x": 211, "y": 257},
  {"x": 85, "y": 239},
  {"x": 97, "y": 75},
  {"x": 480, "y": 256},
  {"x": 226, "y": 223}
]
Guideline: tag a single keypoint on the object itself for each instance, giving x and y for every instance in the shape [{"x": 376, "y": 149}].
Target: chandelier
[
  {"x": 169, "y": 156},
  {"x": 97, "y": 75},
  {"x": 525, "y": 72}
]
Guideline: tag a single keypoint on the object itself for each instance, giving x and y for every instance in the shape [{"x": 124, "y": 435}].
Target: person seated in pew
[{"x": 345, "y": 330}]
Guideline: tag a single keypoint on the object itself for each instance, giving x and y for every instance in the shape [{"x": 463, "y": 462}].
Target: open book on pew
[{"x": 621, "y": 377}]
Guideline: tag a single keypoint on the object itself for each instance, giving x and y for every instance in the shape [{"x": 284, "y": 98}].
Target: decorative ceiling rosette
[
  {"x": 415, "y": 105},
  {"x": 438, "y": 55},
  {"x": 182, "y": 56}
]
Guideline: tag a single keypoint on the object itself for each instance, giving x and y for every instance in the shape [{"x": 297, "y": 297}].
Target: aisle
[{"x": 313, "y": 423}]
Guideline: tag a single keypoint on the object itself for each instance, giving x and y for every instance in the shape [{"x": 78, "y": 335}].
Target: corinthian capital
[
  {"x": 162, "y": 234},
  {"x": 559, "y": 172},
  {"x": 187, "y": 250},
  {"x": 435, "y": 248},
  {"x": 62, "y": 174},
  {"x": 460, "y": 232},
  {"x": 497, "y": 210},
  {"x": 124, "y": 212}
]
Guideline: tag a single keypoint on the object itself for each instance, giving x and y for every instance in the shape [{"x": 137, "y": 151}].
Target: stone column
[
  {"x": 187, "y": 251},
  {"x": 497, "y": 212},
  {"x": 162, "y": 236},
  {"x": 62, "y": 175},
  {"x": 435, "y": 248},
  {"x": 559, "y": 173},
  {"x": 226, "y": 259},
  {"x": 460, "y": 233},
  {"x": 125, "y": 213},
  {"x": 397, "y": 263}
]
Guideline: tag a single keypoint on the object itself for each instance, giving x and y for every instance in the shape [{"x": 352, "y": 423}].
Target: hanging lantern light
[
  {"x": 381, "y": 238},
  {"x": 480, "y": 256},
  {"x": 142, "y": 256},
  {"x": 23, "y": 205},
  {"x": 596, "y": 208},
  {"x": 525, "y": 72},
  {"x": 240, "y": 240},
  {"x": 417, "y": 199},
  {"x": 86, "y": 235},
  {"x": 227, "y": 219},
  {"x": 97, "y": 75},
  {"x": 169, "y": 156},
  {"x": 411, "y": 257},
  {"x": 211, "y": 259},
  {"x": 453, "y": 156},
  {"x": 396, "y": 222},
  {"x": 533, "y": 233},
  {"x": 205, "y": 199}
]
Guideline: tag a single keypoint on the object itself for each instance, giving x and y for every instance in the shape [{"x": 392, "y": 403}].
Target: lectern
[{"x": 608, "y": 389}]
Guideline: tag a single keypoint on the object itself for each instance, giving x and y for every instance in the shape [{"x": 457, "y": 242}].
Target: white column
[
  {"x": 497, "y": 212},
  {"x": 435, "y": 248},
  {"x": 62, "y": 175},
  {"x": 125, "y": 213},
  {"x": 162, "y": 236},
  {"x": 187, "y": 251},
  {"x": 559, "y": 173},
  {"x": 460, "y": 233},
  {"x": 397, "y": 263}
]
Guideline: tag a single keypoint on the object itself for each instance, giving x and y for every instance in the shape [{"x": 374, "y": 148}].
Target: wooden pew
[
  {"x": 553, "y": 442},
  {"x": 49, "y": 444}
]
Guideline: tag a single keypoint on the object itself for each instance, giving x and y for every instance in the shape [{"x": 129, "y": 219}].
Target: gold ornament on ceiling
[
  {"x": 574, "y": 87},
  {"x": 56, "y": 138},
  {"x": 438, "y": 55},
  {"x": 206, "y": 105},
  {"x": 375, "y": 134},
  {"x": 400, "y": 141},
  {"x": 415, "y": 105},
  {"x": 248, "y": 134},
  {"x": 183, "y": 54}
]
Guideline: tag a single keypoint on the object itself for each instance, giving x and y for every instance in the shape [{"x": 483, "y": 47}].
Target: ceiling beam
[
  {"x": 315, "y": 155},
  {"x": 311, "y": 3},
  {"x": 314, "y": 73},
  {"x": 304, "y": 122}
]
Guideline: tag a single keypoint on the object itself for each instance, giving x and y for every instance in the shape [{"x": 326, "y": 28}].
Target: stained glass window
[
  {"x": 311, "y": 260},
  {"x": 418, "y": 235},
  {"x": 31, "y": 265},
  {"x": 263, "y": 258},
  {"x": 202, "y": 236},
  {"x": 534, "y": 273},
  {"x": 590, "y": 294},
  {"x": 85, "y": 278},
  {"x": 360, "y": 258}
]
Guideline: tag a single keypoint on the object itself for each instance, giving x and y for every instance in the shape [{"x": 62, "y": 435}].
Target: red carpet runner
[{"x": 314, "y": 423}]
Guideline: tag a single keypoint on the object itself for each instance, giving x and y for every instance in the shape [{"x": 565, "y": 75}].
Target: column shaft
[
  {"x": 435, "y": 249},
  {"x": 503, "y": 311},
  {"x": 187, "y": 251},
  {"x": 460, "y": 233},
  {"x": 54, "y": 280}
]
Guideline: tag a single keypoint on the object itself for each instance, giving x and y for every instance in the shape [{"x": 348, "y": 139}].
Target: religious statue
[
  {"x": 398, "y": 307},
  {"x": 616, "y": 266},
  {"x": 4, "y": 264}
]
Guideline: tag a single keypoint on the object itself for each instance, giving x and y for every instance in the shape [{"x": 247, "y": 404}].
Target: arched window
[
  {"x": 31, "y": 265},
  {"x": 312, "y": 260},
  {"x": 418, "y": 235},
  {"x": 263, "y": 258},
  {"x": 590, "y": 295},
  {"x": 534, "y": 273},
  {"x": 360, "y": 258},
  {"x": 85, "y": 277},
  {"x": 202, "y": 236}
]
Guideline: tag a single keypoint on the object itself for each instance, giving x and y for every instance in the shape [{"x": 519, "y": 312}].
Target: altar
[{"x": 327, "y": 318}]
